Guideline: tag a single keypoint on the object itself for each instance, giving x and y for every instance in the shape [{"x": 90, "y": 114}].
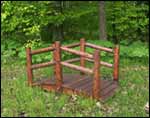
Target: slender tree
[{"x": 102, "y": 21}]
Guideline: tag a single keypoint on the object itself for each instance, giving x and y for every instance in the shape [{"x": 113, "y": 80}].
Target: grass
[{"x": 20, "y": 100}]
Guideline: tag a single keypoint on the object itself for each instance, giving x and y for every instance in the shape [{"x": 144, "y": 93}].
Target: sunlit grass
[{"x": 20, "y": 100}]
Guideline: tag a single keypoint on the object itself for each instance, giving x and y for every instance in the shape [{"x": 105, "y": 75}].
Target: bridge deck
[{"x": 79, "y": 84}]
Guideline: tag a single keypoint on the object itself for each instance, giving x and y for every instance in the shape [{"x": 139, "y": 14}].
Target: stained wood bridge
[{"x": 89, "y": 84}]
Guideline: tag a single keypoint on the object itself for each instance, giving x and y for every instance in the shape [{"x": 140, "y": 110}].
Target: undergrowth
[{"x": 19, "y": 100}]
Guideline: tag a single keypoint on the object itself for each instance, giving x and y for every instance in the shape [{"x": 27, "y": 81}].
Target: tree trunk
[
  {"x": 115, "y": 35},
  {"x": 102, "y": 21},
  {"x": 60, "y": 28}
]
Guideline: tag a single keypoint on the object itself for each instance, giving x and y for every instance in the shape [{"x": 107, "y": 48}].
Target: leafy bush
[{"x": 134, "y": 50}]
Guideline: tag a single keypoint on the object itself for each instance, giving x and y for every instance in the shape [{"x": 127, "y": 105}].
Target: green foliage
[
  {"x": 130, "y": 20},
  {"x": 24, "y": 23},
  {"x": 136, "y": 49},
  {"x": 37, "y": 24}
]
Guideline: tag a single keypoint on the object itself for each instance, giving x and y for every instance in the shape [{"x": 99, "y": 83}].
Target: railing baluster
[
  {"x": 82, "y": 49},
  {"x": 29, "y": 66},
  {"x": 58, "y": 66},
  {"x": 96, "y": 78},
  {"x": 116, "y": 63}
]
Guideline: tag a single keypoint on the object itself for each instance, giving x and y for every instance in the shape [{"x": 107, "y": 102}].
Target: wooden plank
[
  {"x": 96, "y": 77},
  {"x": 105, "y": 97},
  {"x": 77, "y": 52},
  {"x": 68, "y": 78},
  {"x": 71, "y": 84},
  {"x": 109, "y": 88},
  {"x": 79, "y": 83},
  {"x": 84, "y": 85},
  {"x": 82, "y": 49},
  {"x": 109, "y": 93},
  {"x": 99, "y": 47},
  {"x": 88, "y": 89},
  {"x": 29, "y": 63},
  {"x": 44, "y": 81},
  {"x": 41, "y": 65},
  {"x": 75, "y": 67},
  {"x": 105, "y": 84},
  {"x": 116, "y": 63},
  {"x": 102, "y": 63},
  {"x": 72, "y": 45},
  {"x": 42, "y": 50}
]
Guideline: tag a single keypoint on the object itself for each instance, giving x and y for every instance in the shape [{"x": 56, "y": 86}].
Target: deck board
[{"x": 83, "y": 83}]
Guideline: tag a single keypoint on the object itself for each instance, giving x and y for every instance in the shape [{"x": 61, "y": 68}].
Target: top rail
[
  {"x": 72, "y": 45},
  {"x": 77, "y": 52},
  {"x": 42, "y": 50},
  {"x": 99, "y": 47}
]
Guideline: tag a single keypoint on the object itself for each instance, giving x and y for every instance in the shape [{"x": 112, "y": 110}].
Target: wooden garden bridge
[{"x": 90, "y": 84}]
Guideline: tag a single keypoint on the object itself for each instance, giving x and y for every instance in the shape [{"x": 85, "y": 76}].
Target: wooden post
[
  {"x": 54, "y": 67},
  {"x": 58, "y": 66},
  {"x": 96, "y": 81},
  {"x": 82, "y": 49},
  {"x": 116, "y": 63},
  {"x": 29, "y": 65}
]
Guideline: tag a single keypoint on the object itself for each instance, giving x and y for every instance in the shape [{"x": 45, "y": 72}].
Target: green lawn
[{"x": 20, "y": 100}]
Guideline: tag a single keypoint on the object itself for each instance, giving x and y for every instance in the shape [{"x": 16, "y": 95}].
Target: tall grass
[{"x": 20, "y": 100}]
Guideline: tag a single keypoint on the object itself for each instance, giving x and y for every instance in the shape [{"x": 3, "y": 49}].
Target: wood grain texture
[
  {"x": 58, "y": 66},
  {"x": 72, "y": 45},
  {"x": 80, "y": 85},
  {"x": 77, "y": 52},
  {"x": 96, "y": 76},
  {"x": 101, "y": 62},
  {"x": 82, "y": 49},
  {"x": 29, "y": 66},
  {"x": 116, "y": 63},
  {"x": 99, "y": 47},
  {"x": 42, "y": 50},
  {"x": 75, "y": 67},
  {"x": 41, "y": 65},
  {"x": 92, "y": 85}
]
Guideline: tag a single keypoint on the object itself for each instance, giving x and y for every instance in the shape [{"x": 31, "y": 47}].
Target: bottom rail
[{"x": 77, "y": 67}]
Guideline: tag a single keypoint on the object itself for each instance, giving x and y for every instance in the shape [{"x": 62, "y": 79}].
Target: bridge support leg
[
  {"x": 82, "y": 49},
  {"x": 96, "y": 71},
  {"x": 29, "y": 64},
  {"x": 58, "y": 66},
  {"x": 116, "y": 63}
]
